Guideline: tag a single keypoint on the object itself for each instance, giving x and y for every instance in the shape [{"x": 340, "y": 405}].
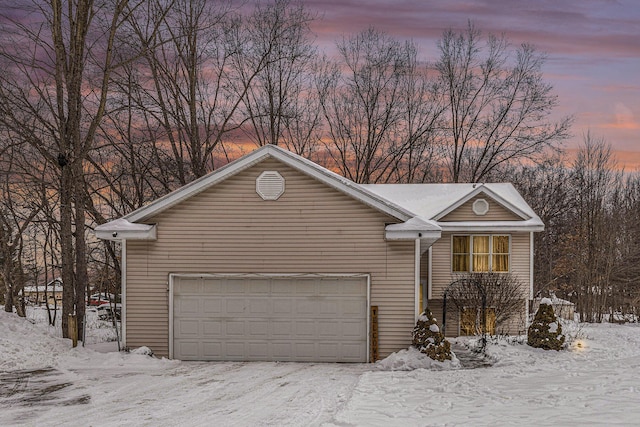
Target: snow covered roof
[
  {"x": 54, "y": 285},
  {"x": 434, "y": 201},
  {"x": 419, "y": 206},
  {"x": 124, "y": 228}
]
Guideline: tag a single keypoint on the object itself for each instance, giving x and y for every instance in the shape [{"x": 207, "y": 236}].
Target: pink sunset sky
[{"x": 592, "y": 47}]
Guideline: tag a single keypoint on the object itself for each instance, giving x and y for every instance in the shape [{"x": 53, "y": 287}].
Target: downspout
[
  {"x": 417, "y": 278},
  {"x": 429, "y": 274},
  {"x": 526, "y": 324},
  {"x": 123, "y": 293}
]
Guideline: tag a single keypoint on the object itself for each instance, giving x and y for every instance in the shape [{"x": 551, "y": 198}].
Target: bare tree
[
  {"x": 546, "y": 188},
  {"x": 54, "y": 99},
  {"x": 17, "y": 213},
  {"x": 590, "y": 248},
  {"x": 371, "y": 99},
  {"x": 498, "y": 104},
  {"x": 500, "y": 293},
  {"x": 279, "y": 103}
]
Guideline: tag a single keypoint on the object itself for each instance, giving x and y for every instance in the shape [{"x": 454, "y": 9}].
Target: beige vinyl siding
[
  {"x": 497, "y": 212},
  {"x": 311, "y": 228},
  {"x": 442, "y": 275}
]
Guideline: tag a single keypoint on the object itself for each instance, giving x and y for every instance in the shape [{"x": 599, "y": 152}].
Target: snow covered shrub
[
  {"x": 429, "y": 340},
  {"x": 546, "y": 332}
]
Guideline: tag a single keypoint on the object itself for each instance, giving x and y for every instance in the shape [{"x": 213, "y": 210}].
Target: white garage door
[{"x": 308, "y": 319}]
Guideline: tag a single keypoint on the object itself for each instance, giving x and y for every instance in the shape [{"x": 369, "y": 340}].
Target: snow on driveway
[{"x": 598, "y": 384}]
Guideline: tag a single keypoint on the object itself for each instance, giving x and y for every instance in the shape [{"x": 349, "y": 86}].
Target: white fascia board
[
  {"x": 532, "y": 225},
  {"x": 482, "y": 189},
  {"x": 414, "y": 229},
  {"x": 111, "y": 231},
  {"x": 306, "y": 166},
  {"x": 412, "y": 235}
]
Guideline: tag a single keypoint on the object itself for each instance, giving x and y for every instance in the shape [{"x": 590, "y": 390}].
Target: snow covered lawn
[{"x": 45, "y": 382}]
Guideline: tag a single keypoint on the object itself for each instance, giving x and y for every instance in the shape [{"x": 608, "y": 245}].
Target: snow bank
[
  {"x": 412, "y": 358},
  {"x": 25, "y": 344},
  {"x": 30, "y": 343}
]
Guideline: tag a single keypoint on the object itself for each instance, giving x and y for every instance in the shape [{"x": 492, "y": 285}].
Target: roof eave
[
  {"x": 118, "y": 235},
  {"x": 493, "y": 226}
]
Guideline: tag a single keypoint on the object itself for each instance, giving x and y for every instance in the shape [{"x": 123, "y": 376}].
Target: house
[
  {"x": 35, "y": 294},
  {"x": 274, "y": 257}
]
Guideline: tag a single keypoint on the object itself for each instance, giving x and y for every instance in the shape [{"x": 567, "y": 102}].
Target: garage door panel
[
  {"x": 280, "y": 319},
  {"x": 235, "y": 349},
  {"x": 211, "y": 349},
  {"x": 279, "y": 287},
  {"x": 188, "y": 306},
  {"x": 258, "y": 328},
  {"x": 211, "y": 288},
  {"x": 329, "y": 307},
  {"x": 355, "y": 308},
  {"x": 259, "y": 350},
  {"x": 190, "y": 286},
  {"x": 189, "y": 349},
  {"x": 280, "y": 328},
  {"x": 235, "y": 307},
  {"x": 282, "y": 307},
  {"x": 329, "y": 328},
  {"x": 258, "y": 287},
  {"x": 230, "y": 287},
  {"x": 211, "y": 305},
  {"x": 189, "y": 328},
  {"x": 305, "y": 329},
  {"x": 235, "y": 328},
  {"x": 352, "y": 330},
  {"x": 305, "y": 307},
  {"x": 259, "y": 305},
  {"x": 212, "y": 328}
]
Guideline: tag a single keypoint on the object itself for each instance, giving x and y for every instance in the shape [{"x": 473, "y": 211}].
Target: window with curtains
[{"x": 480, "y": 253}]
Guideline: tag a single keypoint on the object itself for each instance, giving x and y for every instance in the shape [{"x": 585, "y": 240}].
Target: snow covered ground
[{"x": 43, "y": 381}]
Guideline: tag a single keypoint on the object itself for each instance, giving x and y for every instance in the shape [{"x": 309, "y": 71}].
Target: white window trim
[{"x": 470, "y": 254}]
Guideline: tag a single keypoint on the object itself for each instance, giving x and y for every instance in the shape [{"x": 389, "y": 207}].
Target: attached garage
[
  {"x": 301, "y": 318},
  {"x": 270, "y": 258}
]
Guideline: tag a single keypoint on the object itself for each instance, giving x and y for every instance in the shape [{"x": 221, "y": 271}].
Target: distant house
[
  {"x": 35, "y": 294},
  {"x": 274, "y": 257},
  {"x": 561, "y": 307}
]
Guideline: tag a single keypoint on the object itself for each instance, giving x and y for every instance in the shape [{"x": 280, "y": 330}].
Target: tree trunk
[{"x": 66, "y": 246}]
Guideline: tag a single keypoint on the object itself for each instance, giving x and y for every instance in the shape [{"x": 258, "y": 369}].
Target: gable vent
[
  {"x": 270, "y": 185},
  {"x": 480, "y": 207}
]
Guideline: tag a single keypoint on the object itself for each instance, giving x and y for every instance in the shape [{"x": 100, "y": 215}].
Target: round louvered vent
[
  {"x": 480, "y": 207},
  {"x": 270, "y": 185}
]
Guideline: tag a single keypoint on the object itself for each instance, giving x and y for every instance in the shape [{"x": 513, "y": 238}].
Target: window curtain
[
  {"x": 480, "y": 253},
  {"x": 500, "y": 261},
  {"x": 460, "y": 253}
]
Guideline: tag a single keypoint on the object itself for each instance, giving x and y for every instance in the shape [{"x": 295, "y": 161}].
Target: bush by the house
[
  {"x": 546, "y": 332},
  {"x": 429, "y": 340}
]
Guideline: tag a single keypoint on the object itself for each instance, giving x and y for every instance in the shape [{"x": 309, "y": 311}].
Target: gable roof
[
  {"x": 295, "y": 161},
  {"x": 419, "y": 206},
  {"x": 126, "y": 226},
  {"x": 435, "y": 201}
]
